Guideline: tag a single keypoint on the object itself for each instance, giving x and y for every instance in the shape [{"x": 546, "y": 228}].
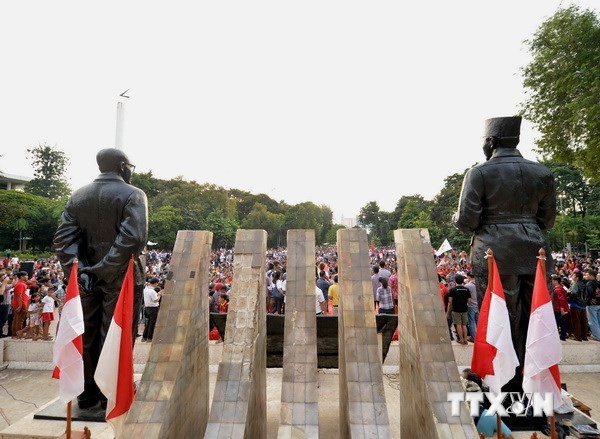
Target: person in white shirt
[
  {"x": 48, "y": 312},
  {"x": 151, "y": 304},
  {"x": 320, "y": 301}
]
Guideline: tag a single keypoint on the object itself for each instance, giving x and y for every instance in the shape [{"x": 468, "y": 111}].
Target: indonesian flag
[
  {"x": 543, "y": 350},
  {"x": 494, "y": 357},
  {"x": 68, "y": 347},
  {"x": 114, "y": 373}
]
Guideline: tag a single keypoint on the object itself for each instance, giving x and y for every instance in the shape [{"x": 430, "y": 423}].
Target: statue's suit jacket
[
  {"x": 104, "y": 223},
  {"x": 507, "y": 202}
]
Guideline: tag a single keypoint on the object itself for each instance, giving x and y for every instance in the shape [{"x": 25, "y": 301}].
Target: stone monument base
[{"x": 57, "y": 411}]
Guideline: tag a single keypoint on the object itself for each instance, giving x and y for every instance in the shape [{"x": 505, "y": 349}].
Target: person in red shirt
[
  {"x": 443, "y": 288},
  {"x": 20, "y": 302},
  {"x": 393, "y": 284},
  {"x": 560, "y": 305},
  {"x": 223, "y": 303}
]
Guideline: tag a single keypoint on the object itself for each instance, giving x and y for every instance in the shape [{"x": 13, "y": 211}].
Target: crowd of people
[
  {"x": 30, "y": 306},
  {"x": 574, "y": 289},
  {"x": 31, "y": 300}
]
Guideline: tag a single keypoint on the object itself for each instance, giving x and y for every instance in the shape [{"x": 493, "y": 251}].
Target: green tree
[
  {"x": 571, "y": 188},
  {"x": 331, "y": 237},
  {"x": 223, "y": 228},
  {"x": 146, "y": 182},
  {"x": 444, "y": 205},
  {"x": 563, "y": 91},
  {"x": 194, "y": 201},
  {"x": 369, "y": 216},
  {"x": 21, "y": 225},
  {"x": 593, "y": 204},
  {"x": 260, "y": 218},
  {"x": 410, "y": 217},
  {"x": 29, "y": 216},
  {"x": 416, "y": 201},
  {"x": 50, "y": 165},
  {"x": 163, "y": 224}
]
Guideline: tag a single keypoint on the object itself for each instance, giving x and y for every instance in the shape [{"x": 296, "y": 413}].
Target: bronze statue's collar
[
  {"x": 109, "y": 176},
  {"x": 506, "y": 152}
]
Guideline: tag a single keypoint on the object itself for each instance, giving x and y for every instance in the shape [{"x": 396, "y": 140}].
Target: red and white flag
[
  {"x": 494, "y": 357},
  {"x": 543, "y": 350},
  {"x": 114, "y": 373},
  {"x": 68, "y": 347}
]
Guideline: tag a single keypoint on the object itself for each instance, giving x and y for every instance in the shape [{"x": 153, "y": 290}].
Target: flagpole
[
  {"x": 542, "y": 258},
  {"x": 69, "y": 413},
  {"x": 489, "y": 255}
]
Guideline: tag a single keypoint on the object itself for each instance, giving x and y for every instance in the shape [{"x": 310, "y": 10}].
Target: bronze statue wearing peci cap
[{"x": 506, "y": 203}]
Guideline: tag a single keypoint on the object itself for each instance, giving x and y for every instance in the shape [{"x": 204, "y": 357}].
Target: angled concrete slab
[
  {"x": 299, "y": 393},
  {"x": 428, "y": 369},
  {"x": 239, "y": 407},
  {"x": 363, "y": 408},
  {"x": 172, "y": 400}
]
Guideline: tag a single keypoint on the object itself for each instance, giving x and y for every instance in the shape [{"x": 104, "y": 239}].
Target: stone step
[{"x": 578, "y": 357}]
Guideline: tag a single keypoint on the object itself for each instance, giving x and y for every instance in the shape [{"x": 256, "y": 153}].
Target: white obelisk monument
[{"x": 120, "y": 122}]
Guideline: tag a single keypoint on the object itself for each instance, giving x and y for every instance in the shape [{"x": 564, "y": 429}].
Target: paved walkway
[{"x": 24, "y": 391}]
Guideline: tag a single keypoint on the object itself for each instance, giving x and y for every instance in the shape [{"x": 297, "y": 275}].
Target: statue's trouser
[
  {"x": 98, "y": 309},
  {"x": 518, "y": 291}
]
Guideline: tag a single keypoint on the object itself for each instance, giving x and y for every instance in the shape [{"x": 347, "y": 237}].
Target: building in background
[{"x": 13, "y": 182}]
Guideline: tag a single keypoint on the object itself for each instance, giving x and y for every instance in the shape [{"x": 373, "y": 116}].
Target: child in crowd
[
  {"x": 223, "y": 303},
  {"x": 33, "y": 312},
  {"x": 48, "y": 303}
]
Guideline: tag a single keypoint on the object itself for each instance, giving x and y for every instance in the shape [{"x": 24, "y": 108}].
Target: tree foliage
[
  {"x": 34, "y": 216},
  {"x": 50, "y": 165},
  {"x": 571, "y": 188},
  {"x": 563, "y": 88},
  {"x": 223, "y": 228}
]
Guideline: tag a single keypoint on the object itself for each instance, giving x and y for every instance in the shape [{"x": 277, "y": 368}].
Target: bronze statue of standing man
[
  {"x": 507, "y": 202},
  {"x": 104, "y": 223}
]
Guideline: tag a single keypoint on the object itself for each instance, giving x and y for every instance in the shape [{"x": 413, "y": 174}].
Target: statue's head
[
  {"x": 115, "y": 160},
  {"x": 501, "y": 132}
]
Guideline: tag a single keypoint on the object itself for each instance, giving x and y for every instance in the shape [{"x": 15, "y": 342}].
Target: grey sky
[{"x": 338, "y": 103}]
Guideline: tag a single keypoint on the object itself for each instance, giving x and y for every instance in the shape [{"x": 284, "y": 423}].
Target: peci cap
[{"x": 503, "y": 127}]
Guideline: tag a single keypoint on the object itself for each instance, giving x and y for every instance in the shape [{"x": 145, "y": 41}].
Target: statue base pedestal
[
  {"x": 28, "y": 427},
  {"x": 57, "y": 411}
]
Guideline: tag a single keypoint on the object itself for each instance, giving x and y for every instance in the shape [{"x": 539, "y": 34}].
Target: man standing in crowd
[
  {"x": 320, "y": 302},
  {"x": 20, "y": 303},
  {"x": 375, "y": 284},
  {"x": 324, "y": 285},
  {"x": 458, "y": 298},
  {"x": 4, "y": 302},
  {"x": 560, "y": 305},
  {"x": 151, "y": 306},
  {"x": 577, "y": 303},
  {"x": 104, "y": 225},
  {"x": 384, "y": 272},
  {"x": 334, "y": 294},
  {"x": 592, "y": 288},
  {"x": 473, "y": 312},
  {"x": 507, "y": 202}
]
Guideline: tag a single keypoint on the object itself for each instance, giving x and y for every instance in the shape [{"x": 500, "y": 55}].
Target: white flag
[
  {"x": 68, "y": 347},
  {"x": 543, "y": 351},
  {"x": 443, "y": 248}
]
